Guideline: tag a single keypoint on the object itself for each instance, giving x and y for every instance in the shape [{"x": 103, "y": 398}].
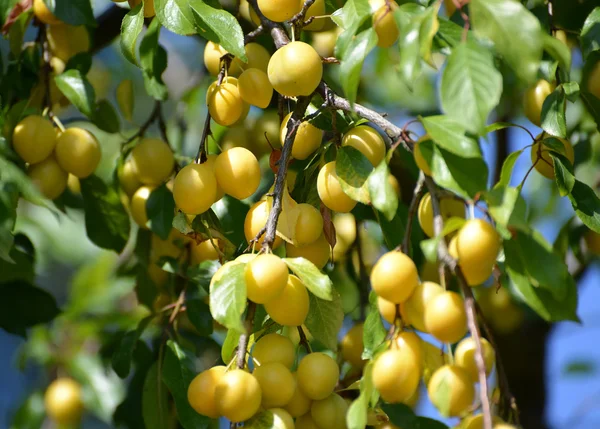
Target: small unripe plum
[
  {"x": 396, "y": 375},
  {"x": 237, "y": 395},
  {"x": 419, "y": 159},
  {"x": 330, "y": 412},
  {"x": 34, "y": 139},
  {"x": 274, "y": 348},
  {"x": 255, "y": 88},
  {"x": 266, "y": 277},
  {"x": 63, "y": 401},
  {"x": 330, "y": 191},
  {"x": 48, "y": 177},
  {"x": 78, "y": 152},
  {"x": 238, "y": 172},
  {"x": 318, "y": 375},
  {"x": 352, "y": 346},
  {"x": 394, "y": 277},
  {"x": 225, "y": 103},
  {"x": 195, "y": 188},
  {"x": 413, "y": 309},
  {"x": 201, "y": 391},
  {"x": 464, "y": 356},
  {"x": 307, "y": 140},
  {"x": 279, "y": 11},
  {"x": 445, "y": 317},
  {"x": 451, "y": 390},
  {"x": 137, "y": 206},
  {"x": 295, "y": 69},
  {"x": 534, "y": 99},
  {"x": 545, "y": 164},
  {"x": 153, "y": 160},
  {"x": 277, "y": 384},
  {"x": 449, "y": 207},
  {"x": 317, "y": 252},
  {"x": 367, "y": 141},
  {"x": 290, "y": 307}
]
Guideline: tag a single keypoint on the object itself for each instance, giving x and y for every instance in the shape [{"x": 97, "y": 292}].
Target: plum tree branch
[
  {"x": 412, "y": 210},
  {"x": 446, "y": 259},
  {"x": 244, "y": 338}
]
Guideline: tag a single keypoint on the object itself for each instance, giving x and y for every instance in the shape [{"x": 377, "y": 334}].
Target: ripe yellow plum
[
  {"x": 48, "y": 177},
  {"x": 153, "y": 160},
  {"x": 318, "y": 375},
  {"x": 330, "y": 412},
  {"x": 317, "y": 9},
  {"x": 211, "y": 160},
  {"x": 540, "y": 156},
  {"x": 330, "y": 191},
  {"x": 149, "y": 11},
  {"x": 205, "y": 251},
  {"x": 258, "y": 58},
  {"x": 324, "y": 41},
  {"x": 266, "y": 128},
  {"x": 66, "y": 41},
  {"x": 34, "y": 138},
  {"x": 63, "y": 401},
  {"x": 277, "y": 384},
  {"x": 345, "y": 234},
  {"x": 237, "y": 172},
  {"x": 419, "y": 159},
  {"x": 476, "y": 422},
  {"x": 279, "y": 11},
  {"x": 317, "y": 252},
  {"x": 394, "y": 277},
  {"x": 225, "y": 104},
  {"x": 266, "y": 277},
  {"x": 195, "y": 188},
  {"x": 445, "y": 317},
  {"x": 534, "y": 99},
  {"x": 306, "y": 422},
  {"x": 274, "y": 348},
  {"x": 255, "y": 220},
  {"x": 128, "y": 178},
  {"x": 212, "y": 58},
  {"x": 300, "y": 403},
  {"x": 201, "y": 391},
  {"x": 309, "y": 226},
  {"x": 413, "y": 309},
  {"x": 352, "y": 346},
  {"x": 464, "y": 356},
  {"x": 410, "y": 343},
  {"x": 368, "y": 141},
  {"x": 396, "y": 375},
  {"x": 477, "y": 246},
  {"x": 295, "y": 69},
  {"x": 449, "y": 207},
  {"x": 290, "y": 307},
  {"x": 44, "y": 14},
  {"x": 387, "y": 309},
  {"x": 451, "y": 390},
  {"x": 282, "y": 419},
  {"x": 78, "y": 152},
  {"x": 237, "y": 395},
  {"x": 137, "y": 206},
  {"x": 255, "y": 88},
  {"x": 384, "y": 22},
  {"x": 307, "y": 140}
]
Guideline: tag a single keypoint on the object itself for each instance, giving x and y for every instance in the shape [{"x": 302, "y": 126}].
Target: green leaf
[
  {"x": 325, "y": 319},
  {"x": 131, "y": 27},
  {"x": 356, "y": 417},
  {"x": 352, "y": 62},
  {"x": 409, "y": 18},
  {"x": 558, "y": 50},
  {"x": 14, "y": 178},
  {"x": 228, "y": 297},
  {"x": 352, "y": 14},
  {"x": 31, "y": 413},
  {"x": 571, "y": 91},
  {"x": 429, "y": 248},
  {"x": 153, "y": 59},
  {"x": 590, "y": 33},
  {"x": 155, "y": 400},
  {"x": 471, "y": 86},
  {"x": 229, "y": 345},
  {"x": 219, "y": 26},
  {"x": 448, "y": 35},
  {"x": 81, "y": 61},
  {"x": 19, "y": 264},
  {"x": 553, "y": 113},
  {"x": 507, "y": 207},
  {"x": 177, "y": 374},
  {"x": 450, "y": 135},
  {"x": 9, "y": 198},
  {"x": 105, "y": 117},
  {"x": 592, "y": 103},
  {"x": 73, "y": 12},
  {"x": 586, "y": 204},
  {"x": 175, "y": 15},
  {"x": 199, "y": 314},
  {"x": 314, "y": 280},
  {"x": 403, "y": 416},
  {"x": 373, "y": 330},
  {"x": 160, "y": 208},
  {"x": 563, "y": 173},
  {"x": 23, "y": 305},
  {"x": 78, "y": 90},
  {"x": 353, "y": 170},
  {"x": 121, "y": 358},
  {"x": 106, "y": 221},
  {"x": 507, "y": 169},
  {"x": 515, "y": 31},
  {"x": 381, "y": 193}
]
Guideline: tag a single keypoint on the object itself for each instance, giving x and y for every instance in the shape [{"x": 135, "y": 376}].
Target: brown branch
[
  {"x": 446, "y": 259},
  {"x": 304, "y": 340},
  {"x": 298, "y": 19},
  {"x": 245, "y": 337},
  {"x": 412, "y": 211},
  {"x": 286, "y": 153},
  {"x": 253, "y": 34},
  {"x": 277, "y": 31}
]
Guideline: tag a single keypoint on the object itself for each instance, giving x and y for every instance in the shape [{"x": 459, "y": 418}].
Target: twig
[
  {"x": 243, "y": 343},
  {"x": 254, "y": 34},
  {"x": 286, "y": 152},
  {"x": 446, "y": 259},
  {"x": 304, "y": 340},
  {"x": 412, "y": 210},
  {"x": 278, "y": 33},
  {"x": 298, "y": 19},
  {"x": 154, "y": 115}
]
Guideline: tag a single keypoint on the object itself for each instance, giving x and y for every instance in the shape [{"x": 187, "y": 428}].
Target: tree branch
[
  {"x": 412, "y": 210},
  {"x": 445, "y": 258},
  {"x": 243, "y": 343}
]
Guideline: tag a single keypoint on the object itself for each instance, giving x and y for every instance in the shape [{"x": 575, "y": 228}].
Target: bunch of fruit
[{"x": 53, "y": 156}]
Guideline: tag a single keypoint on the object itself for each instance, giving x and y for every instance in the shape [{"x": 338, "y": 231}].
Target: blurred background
[{"x": 553, "y": 371}]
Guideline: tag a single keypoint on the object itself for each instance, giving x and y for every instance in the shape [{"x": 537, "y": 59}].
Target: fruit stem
[
  {"x": 412, "y": 211},
  {"x": 245, "y": 337},
  {"x": 304, "y": 340}
]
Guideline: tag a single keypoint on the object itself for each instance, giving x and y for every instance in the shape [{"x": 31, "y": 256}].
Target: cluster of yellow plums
[{"x": 55, "y": 157}]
